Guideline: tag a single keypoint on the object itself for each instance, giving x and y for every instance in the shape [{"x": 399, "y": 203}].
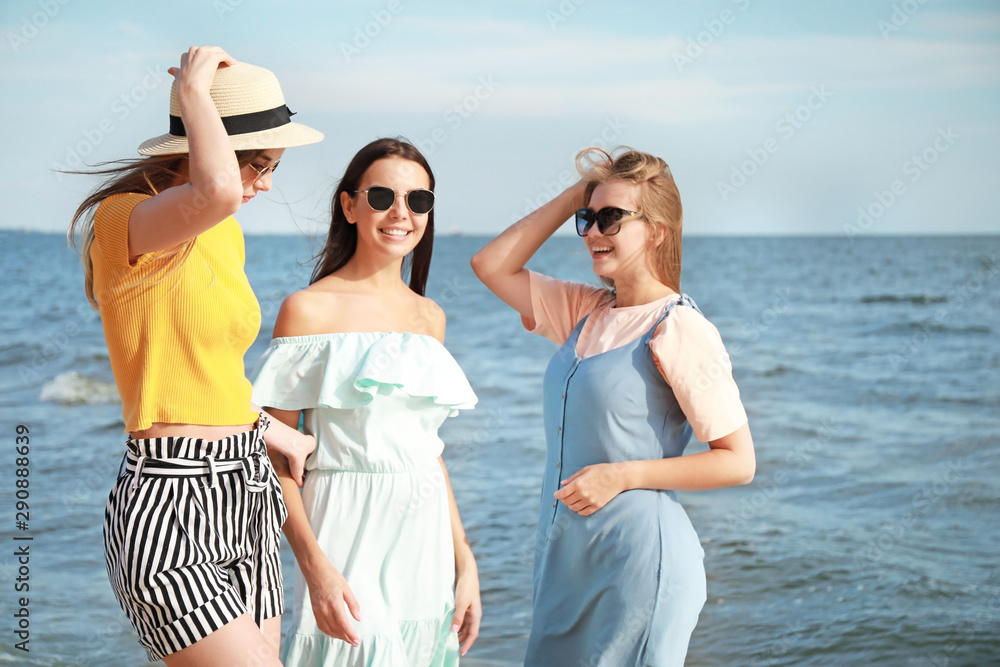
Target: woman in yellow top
[{"x": 191, "y": 526}]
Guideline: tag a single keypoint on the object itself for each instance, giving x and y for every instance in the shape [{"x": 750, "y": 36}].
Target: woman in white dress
[{"x": 359, "y": 355}]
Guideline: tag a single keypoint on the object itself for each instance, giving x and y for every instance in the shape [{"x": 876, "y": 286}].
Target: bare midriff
[{"x": 162, "y": 430}]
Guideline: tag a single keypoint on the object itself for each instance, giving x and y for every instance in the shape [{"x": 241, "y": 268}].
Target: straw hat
[{"x": 253, "y": 111}]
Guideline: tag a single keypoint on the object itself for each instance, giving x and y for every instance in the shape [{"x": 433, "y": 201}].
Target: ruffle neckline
[{"x": 347, "y": 371}]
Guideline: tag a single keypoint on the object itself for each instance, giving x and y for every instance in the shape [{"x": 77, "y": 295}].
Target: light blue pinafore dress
[{"x": 623, "y": 586}]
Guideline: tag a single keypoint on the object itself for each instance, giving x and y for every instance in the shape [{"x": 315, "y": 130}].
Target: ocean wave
[
  {"x": 778, "y": 371},
  {"x": 915, "y": 299},
  {"x": 32, "y": 356},
  {"x": 75, "y": 389},
  {"x": 16, "y": 353},
  {"x": 933, "y": 328}
]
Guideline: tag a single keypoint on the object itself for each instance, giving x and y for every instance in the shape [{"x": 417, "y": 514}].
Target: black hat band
[{"x": 244, "y": 123}]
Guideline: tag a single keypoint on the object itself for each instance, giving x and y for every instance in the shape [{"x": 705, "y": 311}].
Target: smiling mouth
[
  {"x": 600, "y": 251},
  {"x": 246, "y": 198},
  {"x": 395, "y": 233}
]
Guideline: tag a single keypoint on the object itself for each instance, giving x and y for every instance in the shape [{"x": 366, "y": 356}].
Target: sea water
[{"x": 870, "y": 370}]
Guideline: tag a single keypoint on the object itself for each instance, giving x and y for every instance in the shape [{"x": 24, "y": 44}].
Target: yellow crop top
[{"x": 176, "y": 338}]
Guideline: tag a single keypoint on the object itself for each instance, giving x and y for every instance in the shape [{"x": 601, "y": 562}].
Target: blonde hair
[
  {"x": 659, "y": 202},
  {"x": 146, "y": 175}
]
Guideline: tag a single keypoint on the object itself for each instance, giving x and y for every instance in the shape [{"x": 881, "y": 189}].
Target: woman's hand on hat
[{"x": 198, "y": 67}]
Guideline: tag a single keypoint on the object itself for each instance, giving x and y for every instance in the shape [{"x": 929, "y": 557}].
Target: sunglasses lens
[
  {"x": 420, "y": 201},
  {"x": 609, "y": 220},
  {"x": 381, "y": 198}
]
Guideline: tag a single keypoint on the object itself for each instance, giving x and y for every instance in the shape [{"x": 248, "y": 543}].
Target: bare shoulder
[
  {"x": 332, "y": 305},
  {"x": 298, "y": 313},
  {"x": 432, "y": 317}
]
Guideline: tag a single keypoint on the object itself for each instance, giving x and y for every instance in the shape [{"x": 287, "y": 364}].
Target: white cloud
[{"x": 566, "y": 75}]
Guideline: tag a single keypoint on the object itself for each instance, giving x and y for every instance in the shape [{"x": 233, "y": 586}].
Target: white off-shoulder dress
[{"x": 374, "y": 493}]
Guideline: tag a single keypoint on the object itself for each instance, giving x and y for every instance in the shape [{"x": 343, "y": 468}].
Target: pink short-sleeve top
[{"x": 686, "y": 347}]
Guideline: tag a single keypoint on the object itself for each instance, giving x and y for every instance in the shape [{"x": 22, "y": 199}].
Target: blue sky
[{"x": 776, "y": 117}]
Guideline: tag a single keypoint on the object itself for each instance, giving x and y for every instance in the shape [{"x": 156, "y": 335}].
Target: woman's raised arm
[
  {"x": 500, "y": 264},
  {"x": 214, "y": 190}
]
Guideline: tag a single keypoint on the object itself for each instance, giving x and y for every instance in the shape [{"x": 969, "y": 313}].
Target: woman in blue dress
[
  {"x": 384, "y": 574},
  {"x": 618, "y": 574}
]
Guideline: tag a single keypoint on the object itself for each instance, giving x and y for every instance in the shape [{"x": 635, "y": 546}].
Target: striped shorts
[{"x": 191, "y": 534}]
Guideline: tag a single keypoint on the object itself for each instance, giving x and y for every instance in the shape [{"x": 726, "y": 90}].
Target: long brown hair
[
  {"x": 659, "y": 202},
  {"x": 342, "y": 241},
  {"x": 145, "y": 175}
]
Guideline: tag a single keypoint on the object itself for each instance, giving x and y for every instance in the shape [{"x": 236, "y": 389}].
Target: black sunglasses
[
  {"x": 608, "y": 219},
  {"x": 381, "y": 198}
]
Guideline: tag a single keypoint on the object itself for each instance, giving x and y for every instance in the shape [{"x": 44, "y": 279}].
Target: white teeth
[{"x": 394, "y": 232}]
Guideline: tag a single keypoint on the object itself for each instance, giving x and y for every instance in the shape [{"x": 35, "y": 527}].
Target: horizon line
[{"x": 487, "y": 235}]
